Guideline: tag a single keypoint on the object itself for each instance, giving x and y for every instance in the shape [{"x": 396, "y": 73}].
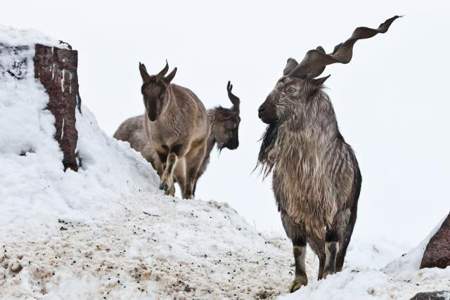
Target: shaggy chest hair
[{"x": 312, "y": 166}]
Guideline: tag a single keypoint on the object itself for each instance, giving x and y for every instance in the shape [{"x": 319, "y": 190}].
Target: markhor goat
[
  {"x": 223, "y": 126},
  {"x": 316, "y": 178}
]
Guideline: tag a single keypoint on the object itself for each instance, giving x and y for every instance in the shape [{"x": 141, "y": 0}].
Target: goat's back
[{"x": 132, "y": 131}]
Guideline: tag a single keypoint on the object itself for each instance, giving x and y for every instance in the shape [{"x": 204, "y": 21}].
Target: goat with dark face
[
  {"x": 316, "y": 178},
  {"x": 224, "y": 127}
]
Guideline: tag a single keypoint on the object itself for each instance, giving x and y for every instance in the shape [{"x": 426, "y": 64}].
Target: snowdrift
[{"x": 107, "y": 232}]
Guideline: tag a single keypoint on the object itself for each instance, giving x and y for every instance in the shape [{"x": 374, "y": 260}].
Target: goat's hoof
[
  {"x": 171, "y": 191},
  {"x": 327, "y": 273},
  {"x": 163, "y": 186},
  {"x": 298, "y": 283}
]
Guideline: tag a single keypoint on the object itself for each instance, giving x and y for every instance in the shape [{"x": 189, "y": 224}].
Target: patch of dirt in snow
[{"x": 159, "y": 247}]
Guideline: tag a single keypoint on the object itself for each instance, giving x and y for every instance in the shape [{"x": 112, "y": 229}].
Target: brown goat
[
  {"x": 176, "y": 126},
  {"x": 316, "y": 178}
]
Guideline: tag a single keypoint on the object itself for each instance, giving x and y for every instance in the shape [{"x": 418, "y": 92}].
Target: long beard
[{"x": 268, "y": 143}]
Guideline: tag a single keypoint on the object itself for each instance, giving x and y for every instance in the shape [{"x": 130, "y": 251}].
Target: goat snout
[
  {"x": 267, "y": 113},
  {"x": 261, "y": 110},
  {"x": 233, "y": 145}
]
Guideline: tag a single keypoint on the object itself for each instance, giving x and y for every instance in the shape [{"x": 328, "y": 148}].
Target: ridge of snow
[{"x": 10, "y": 36}]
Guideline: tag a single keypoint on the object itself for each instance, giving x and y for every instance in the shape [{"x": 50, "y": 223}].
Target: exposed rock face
[
  {"x": 56, "y": 68},
  {"x": 442, "y": 295},
  {"x": 437, "y": 252}
]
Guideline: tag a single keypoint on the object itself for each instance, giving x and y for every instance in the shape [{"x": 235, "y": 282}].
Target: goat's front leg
[
  {"x": 167, "y": 183},
  {"x": 331, "y": 250},
  {"x": 299, "y": 255},
  {"x": 297, "y": 234}
]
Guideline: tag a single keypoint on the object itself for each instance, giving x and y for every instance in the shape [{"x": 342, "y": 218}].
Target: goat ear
[
  {"x": 171, "y": 75},
  {"x": 318, "y": 82},
  {"x": 144, "y": 73},
  {"x": 290, "y": 65}
]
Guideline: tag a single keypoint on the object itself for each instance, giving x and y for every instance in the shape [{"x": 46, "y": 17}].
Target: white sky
[{"x": 391, "y": 101}]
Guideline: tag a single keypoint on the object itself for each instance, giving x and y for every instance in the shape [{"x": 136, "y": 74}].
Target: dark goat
[{"x": 224, "y": 128}]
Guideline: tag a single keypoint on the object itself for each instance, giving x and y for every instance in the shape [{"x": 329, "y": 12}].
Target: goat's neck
[
  {"x": 168, "y": 99},
  {"x": 211, "y": 138},
  {"x": 312, "y": 127}
]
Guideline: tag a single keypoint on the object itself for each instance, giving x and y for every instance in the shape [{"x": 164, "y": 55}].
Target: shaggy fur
[
  {"x": 316, "y": 177},
  {"x": 224, "y": 127}
]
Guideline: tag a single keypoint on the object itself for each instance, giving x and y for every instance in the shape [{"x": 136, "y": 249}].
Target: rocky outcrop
[
  {"x": 56, "y": 68},
  {"x": 437, "y": 252},
  {"x": 441, "y": 295}
]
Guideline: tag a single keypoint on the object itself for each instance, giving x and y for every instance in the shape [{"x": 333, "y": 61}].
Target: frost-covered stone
[{"x": 437, "y": 252}]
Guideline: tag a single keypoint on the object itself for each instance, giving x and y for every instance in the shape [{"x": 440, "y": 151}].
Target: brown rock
[
  {"x": 56, "y": 68},
  {"x": 437, "y": 252},
  {"x": 15, "y": 267}
]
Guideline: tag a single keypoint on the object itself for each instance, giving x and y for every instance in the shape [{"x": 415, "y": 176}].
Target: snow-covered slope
[{"x": 108, "y": 232}]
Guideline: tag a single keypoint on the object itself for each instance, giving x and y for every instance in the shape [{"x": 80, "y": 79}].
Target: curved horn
[
  {"x": 233, "y": 98},
  {"x": 163, "y": 71},
  {"x": 315, "y": 61},
  {"x": 290, "y": 65}
]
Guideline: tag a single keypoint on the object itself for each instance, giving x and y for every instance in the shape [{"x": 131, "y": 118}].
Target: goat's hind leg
[{"x": 194, "y": 160}]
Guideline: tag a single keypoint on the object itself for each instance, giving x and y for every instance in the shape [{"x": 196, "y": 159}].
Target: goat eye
[{"x": 290, "y": 90}]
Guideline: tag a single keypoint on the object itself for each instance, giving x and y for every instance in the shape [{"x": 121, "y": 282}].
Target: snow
[
  {"x": 370, "y": 273},
  {"x": 17, "y": 37},
  {"x": 107, "y": 230},
  {"x": 411, "y": 260}
]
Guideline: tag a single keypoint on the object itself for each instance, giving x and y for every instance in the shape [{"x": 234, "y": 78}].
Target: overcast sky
[{"x": 391, "y": 101}]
